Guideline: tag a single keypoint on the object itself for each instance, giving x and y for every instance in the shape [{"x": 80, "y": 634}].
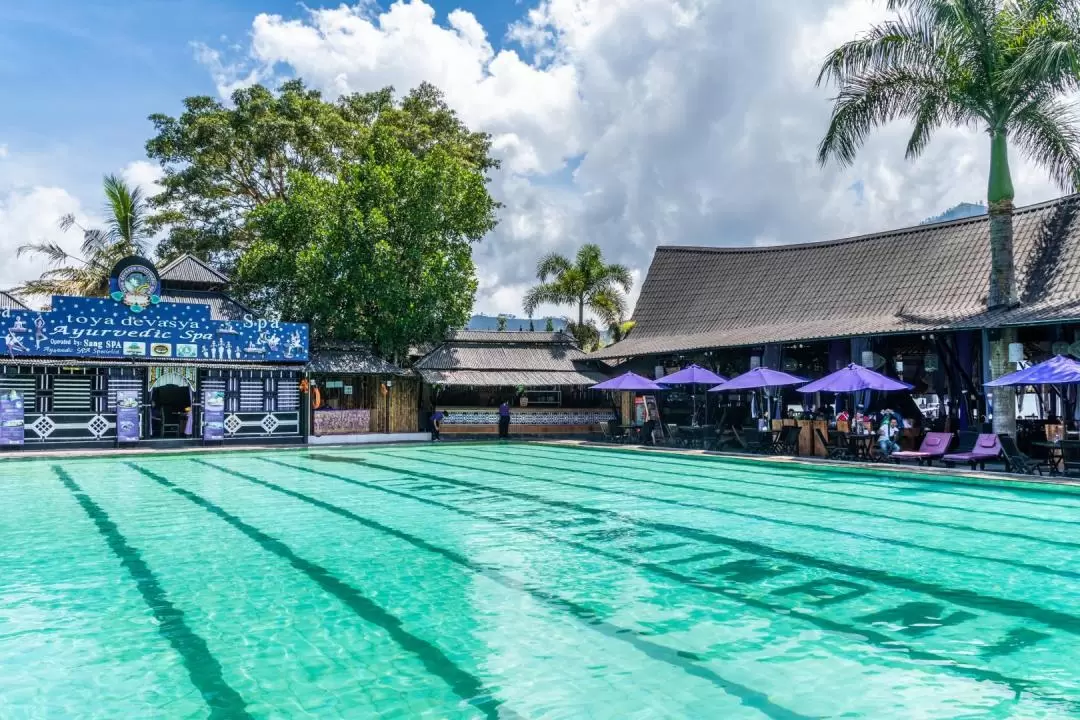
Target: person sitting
[{"x": 887, "y": 442}]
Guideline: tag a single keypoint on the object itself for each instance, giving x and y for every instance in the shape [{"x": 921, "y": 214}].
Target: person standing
[{"x": 504, "y": 421}]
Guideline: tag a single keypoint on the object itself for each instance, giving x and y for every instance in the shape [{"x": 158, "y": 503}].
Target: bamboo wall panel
[{"x": 394, "y": 410}]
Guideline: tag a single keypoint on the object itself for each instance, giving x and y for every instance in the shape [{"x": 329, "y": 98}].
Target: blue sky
[
  {"x": 628, "y": 123},
  {"x": 81, "y": 76}
]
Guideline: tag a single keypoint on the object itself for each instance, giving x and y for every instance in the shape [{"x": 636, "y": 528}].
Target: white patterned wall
[{"x": 535, "y": 417}]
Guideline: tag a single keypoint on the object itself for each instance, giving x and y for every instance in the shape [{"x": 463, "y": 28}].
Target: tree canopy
[
  {"x": 381, "y": 253},
  {"x": 222, "y": 162}
]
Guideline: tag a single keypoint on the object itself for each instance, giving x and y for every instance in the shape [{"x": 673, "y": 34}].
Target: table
[
  {"x": 860, "y": 443},
  {"x": 696, "y": 433},
  {"x": 1054, "y": 455},
  {"x": 632, "y": 432}
]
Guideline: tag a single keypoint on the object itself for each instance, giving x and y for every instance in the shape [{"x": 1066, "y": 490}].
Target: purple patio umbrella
[
  {"x": 759, "y": 377},
  {"x": 854, "y": 378},
  {"x": 1058, "y": 370},
  {"x": 628, "y": 381},
  {"x": 693, "y": 375}
]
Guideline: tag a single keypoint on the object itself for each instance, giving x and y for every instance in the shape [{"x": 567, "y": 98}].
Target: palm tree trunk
[
  {"x": 1002, "y": 291},
  {"x": 581, "y": 312}
]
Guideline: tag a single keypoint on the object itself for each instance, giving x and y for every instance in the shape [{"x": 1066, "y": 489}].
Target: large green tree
[
  {"x": 126, "y": 232},
  {"x": 587, "y": 283},
  {"x": 381, "y": 253},
  {"x": 1003, "y": 66},
  {"x": 222, "y": 162}
]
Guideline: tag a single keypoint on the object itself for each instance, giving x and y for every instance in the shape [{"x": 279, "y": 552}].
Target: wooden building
[
  {"x": 544, "y": 376},
  {"x": 356, "y": 393},
  {"x": 910, "y": 302}
]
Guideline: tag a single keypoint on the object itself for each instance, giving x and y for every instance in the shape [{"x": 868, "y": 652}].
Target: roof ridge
[
  {"x": 909, "y": 230},
  {"x": 188, "y": 256}
]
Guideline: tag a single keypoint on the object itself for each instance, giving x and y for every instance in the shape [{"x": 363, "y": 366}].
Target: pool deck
[{"x": 930, "y": 473}]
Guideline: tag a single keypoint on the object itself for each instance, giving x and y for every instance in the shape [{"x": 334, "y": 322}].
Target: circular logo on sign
[{"x": 135, "y": 284}]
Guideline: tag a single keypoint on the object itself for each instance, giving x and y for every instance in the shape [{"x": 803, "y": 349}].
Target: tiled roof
[
  {"x": 10, "y": 302},
  {"x": 350, "y": 360},
  {"x": 191, "y": 270},
  {"x": 222, "y": 307},
  {"x": 512, "y": 336},
  {"x": 930, "y": 277},
  {"x": 509, "y": 358},
  {"x": 507, "y": 378},
  {"x": 453, "y": 355}
]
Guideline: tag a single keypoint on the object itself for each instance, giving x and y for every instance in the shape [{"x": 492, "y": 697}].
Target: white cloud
[
  {"x": 29, "y": 216},
  {"x": 3, "y": 151},
  {"x": 637, "y": 122},
  {"x": 143, "y": 174}
]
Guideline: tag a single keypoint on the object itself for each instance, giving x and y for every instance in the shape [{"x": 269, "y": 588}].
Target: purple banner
[
  {"x": 213, "y": 415},
  {"x": 11, "y": 418},
  {"x": 127, "y": 416}
]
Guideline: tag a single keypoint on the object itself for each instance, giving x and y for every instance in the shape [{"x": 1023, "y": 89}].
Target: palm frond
[
  {"x": 609, "y": 304},
  {"x": 551, "y": 265},
  {"x": 900, "y": 44},
  {"x": 871, "y": 101},
  {"x": 545, "y": 294},
  {"x": 1046, "y": 132},
  {"x": 127, "y": 213},
  {"x": 52, "y": 251}
]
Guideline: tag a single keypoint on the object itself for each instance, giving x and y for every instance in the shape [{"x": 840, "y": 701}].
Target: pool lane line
[
  {"x": 807, "y": 489},
  {"x": 966, "y": 598},
  {"x": 465, "y": 685},
  {"x": 765, "y": 499},
  {"x": 203, "y": 668},
  {"x": 922, "y": 659},
  {"x": 895, "y": 473},
  {"x": 1018, "y": 564},
  {"x": 588, "y": 618}
]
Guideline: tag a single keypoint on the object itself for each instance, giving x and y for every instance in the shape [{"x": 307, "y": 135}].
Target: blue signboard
[
  {"x": 127, "y": 416},
  {"x": 213, "y": 415},
  {"x": 12, "y": 427},
  {"x": 110, "y": 328}
]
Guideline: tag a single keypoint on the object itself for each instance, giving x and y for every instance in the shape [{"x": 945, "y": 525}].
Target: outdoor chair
[
  {"x": 1070, "y": 456},
  {"x": 614, "y": 432},
  {"x": 833, "y": 450},
  {"x": 755, "y": 441},
  {"x": 933, "y": 447},
  {"x": 675, "y": 438},
  {"x": 987, "y": 448},
  {"x": 1016, "y": 461},
  {"x": 788, "y": 442}
]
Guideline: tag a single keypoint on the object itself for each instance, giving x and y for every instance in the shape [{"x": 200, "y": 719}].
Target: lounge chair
[
  {"x": 933, "y": 447},
  {"x": 987, "y": 448},
  {"x": 1016, "y": 461},
  {"x": 833, "y": 450}
]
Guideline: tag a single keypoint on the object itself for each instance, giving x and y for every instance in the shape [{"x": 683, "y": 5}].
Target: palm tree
[
  {"x": 588, "y": 283},
  {"x": 1002, "y": 66},
  {"x": 125, "y": 233}
]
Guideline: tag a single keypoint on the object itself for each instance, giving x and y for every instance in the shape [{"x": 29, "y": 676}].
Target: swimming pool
[{"x": 528, "y": 581}]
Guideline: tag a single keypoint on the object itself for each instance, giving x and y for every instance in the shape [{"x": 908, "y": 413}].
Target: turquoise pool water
[{"x": 527, "y": 581}]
